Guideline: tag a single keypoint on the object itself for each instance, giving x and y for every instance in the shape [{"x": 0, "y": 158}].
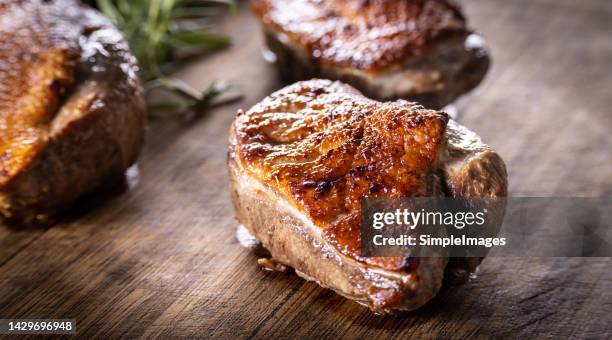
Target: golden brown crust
[
  {"x": 36, "y": 68},
  {"x": 368, "y": 35},
  {"x": 71, "y": 106},
  {"x": 324, "y": 147}
]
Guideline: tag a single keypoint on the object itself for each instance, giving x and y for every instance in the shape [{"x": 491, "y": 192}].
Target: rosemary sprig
[
  {"x": 157, "y": 30},
  {"x": 191, "y": 99}
]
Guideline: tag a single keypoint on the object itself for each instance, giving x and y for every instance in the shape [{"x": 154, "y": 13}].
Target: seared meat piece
[
  {"x": 420, "y": 50},
  {"x": 72, "y": 114},
  {"x": 301, "y": 160}
]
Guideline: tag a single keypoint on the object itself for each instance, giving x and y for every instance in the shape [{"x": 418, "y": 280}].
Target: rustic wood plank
[
  {"x": 161, "y": 260},
  {"x": 13, "y": 241}
]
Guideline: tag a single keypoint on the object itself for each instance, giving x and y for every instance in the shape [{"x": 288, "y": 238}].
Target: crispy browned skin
[
  {"x": 368, "y": 35},
  {"x": 71, "y": 107},
  {"x": 301, "y": 160},
  {"x": 35, "y": 73},
  {"x": 331, "y": 146}
]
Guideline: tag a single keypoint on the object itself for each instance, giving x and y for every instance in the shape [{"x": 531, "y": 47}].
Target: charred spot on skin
[
  {"x": 416, "y": 121},
  {"x": 348, "y": 27},
  {"x": 375, "y": 188},
  {"x": 358, "y": 138},
  {"x": 318, "y": 91},
  {"x": 323, "y": 187},
  {"x": 360, "y": 169}
]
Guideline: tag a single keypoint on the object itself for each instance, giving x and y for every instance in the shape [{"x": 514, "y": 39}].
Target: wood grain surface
[{"x": 160, "y": 260}]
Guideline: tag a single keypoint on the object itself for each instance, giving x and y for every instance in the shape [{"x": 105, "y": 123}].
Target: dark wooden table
[{"x": 161, "y": 260}]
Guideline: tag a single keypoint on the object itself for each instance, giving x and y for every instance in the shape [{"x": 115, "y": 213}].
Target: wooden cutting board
[{"x": 161, "y": 260}]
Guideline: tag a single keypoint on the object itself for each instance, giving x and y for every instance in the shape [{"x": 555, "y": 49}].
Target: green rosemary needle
[{"x": 157, "y": 30}]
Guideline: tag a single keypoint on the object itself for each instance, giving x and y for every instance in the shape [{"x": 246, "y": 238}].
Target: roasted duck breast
[
  {"x": 301, "y": 160},
  {"x": 72, "y": 114},
  {"x": 419, "y": 50}
]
